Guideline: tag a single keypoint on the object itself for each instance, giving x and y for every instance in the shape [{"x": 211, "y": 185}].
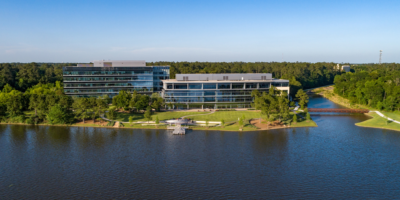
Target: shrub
[
  {"x": 111, "y": 123},
  {"x": 121, "y": 124},
  {"x": 308, "y": 117},
  {"x": 295, "y": 118}
]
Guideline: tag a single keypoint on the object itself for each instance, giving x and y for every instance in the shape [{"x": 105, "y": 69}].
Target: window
[
  {"x": 209, "y": 93},
  {"x": 251, "y": 85},
  {"x": 209, "y": 86},
  {"x": 195, "y": 86},
  {"x": 276, "y": 84},
  {"x": 224, "y": 86},
  {"x": 185, "y": 78},
  {"x": 180, "y": 86},
  {"x": 209, "y": 99},
  {"x": 225, "y": 78},
  {"x": 285, "y": 84},
  {"x": 263, "y": 85},
  {"x": 237, "y": 85}
]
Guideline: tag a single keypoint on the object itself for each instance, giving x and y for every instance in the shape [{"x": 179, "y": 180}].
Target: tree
[
  {"x": 143, "y": 102},
  {"x": 147, "y": 114},
  {"x": 101, "y": 105},
  {"x": 302, "y": 97},
  {"x": 7, "y": 75},
  {"x": 111, "y": 114},
  {"x": 222, "y": 123},
  {"x": 308, "y": 117},
  {"x": 294, "y": 118},
  {"x": 80, "y": 107},
  {"x": 15, "y": 103},
  {"x": 34, "y": 103},
  {"x": 207, "y": 122},
  {"x": 241, "y": 123},
  {"x": 57, "y": 115},
  {"x": 157, "y": 121},
  {"x": 121, "y": 100}
]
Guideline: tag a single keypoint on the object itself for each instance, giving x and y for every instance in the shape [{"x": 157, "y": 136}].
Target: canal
[{"x": 334, "y": 160}]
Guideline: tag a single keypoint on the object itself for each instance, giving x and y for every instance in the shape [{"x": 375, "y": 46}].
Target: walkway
[{"x": 380, "y": 114}]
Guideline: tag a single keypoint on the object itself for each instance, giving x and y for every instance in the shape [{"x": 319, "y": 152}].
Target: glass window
[
  {"x": 224, "y": 86},
  {"x": 276, "y": 84},
  {"x": 209, "y": 99},
  {"x": 209, "y": 86},
  {"x": 251, "y": 85},
  {"x": 285, "y": 84},
  {"x": 195, "y": 86},
  {"x": 237, "y": 85},
  {"x": 209, "y": 93},
  {"x": 180, "y": 86},
  {"x": 263, "y": 85}
]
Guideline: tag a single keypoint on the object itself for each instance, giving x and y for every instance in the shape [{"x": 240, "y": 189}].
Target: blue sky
[{"x": 225, "y": 30}]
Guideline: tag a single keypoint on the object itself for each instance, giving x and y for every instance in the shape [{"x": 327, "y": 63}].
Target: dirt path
[
  {"x": 264, "y": 126},
  {"x": 116, "y": 125}
]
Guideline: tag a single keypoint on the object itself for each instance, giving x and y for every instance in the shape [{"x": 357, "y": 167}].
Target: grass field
[
  {"x": 228, "y": 116},
  {"x": 379, "y": 122},
  {"x": 161, "y": 115}
]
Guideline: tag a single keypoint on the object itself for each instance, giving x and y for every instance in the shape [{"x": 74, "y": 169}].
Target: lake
[{"x": 334, "y": 160}]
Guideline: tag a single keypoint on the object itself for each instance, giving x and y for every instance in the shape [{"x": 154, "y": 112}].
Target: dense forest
[{"x": 377, "y": 86}]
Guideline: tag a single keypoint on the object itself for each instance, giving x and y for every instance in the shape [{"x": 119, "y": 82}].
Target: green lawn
[
  {"x": 161, "y": 115},
  {"x": 394, "y": 115},
  {"x": 228, "y": 116},
  {"x": 379, "y": 122}
]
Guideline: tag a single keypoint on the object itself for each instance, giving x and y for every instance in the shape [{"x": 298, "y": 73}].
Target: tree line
[
  {"x": 376, "y": 86},
  {"x": 48, "y": 103}
]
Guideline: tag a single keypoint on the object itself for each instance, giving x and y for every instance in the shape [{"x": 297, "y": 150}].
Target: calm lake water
[{"x": 335, "y": 160}]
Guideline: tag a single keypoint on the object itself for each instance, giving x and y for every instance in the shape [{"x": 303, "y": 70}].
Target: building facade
[
  {"x": 109, "y": 77},
  {"x": 200, "y": 91}
]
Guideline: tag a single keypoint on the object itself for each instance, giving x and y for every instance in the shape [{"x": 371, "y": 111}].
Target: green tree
[
  {"x": 308, "y": 117},
  {"x": 207, "y": 122},
  {"x": 294, "y": 118},
  {"x": 302, "y": 97},
  {"x": 222, "y": 123},
  {"x": 147, "y": 114},
  {"x": 111, "y": 114},
  {"x": 80, "y": 107},
  {"x": 15, "y": 103},
  {"x": 57, "y": 115},
  {"x": 143, "y": 102}
]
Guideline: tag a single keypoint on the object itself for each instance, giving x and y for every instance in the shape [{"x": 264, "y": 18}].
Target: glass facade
[
  {"x": 98, "y": 81},
  {"x": 235, "y": 94}
]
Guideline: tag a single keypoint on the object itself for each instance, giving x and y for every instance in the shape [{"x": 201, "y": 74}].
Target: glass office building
[
  {"x": 109, "y": 77},
  {"x": 213, "y": 91}
]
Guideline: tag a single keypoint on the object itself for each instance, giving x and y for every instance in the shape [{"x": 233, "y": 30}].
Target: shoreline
[
  {"x": 154, "y": 128},
  {"x": 327, "y": 92}
]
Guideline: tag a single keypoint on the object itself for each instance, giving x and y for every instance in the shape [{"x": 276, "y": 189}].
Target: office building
[
  {"x": 213, "y": 91},
  {"x": 109, "y": 77}
]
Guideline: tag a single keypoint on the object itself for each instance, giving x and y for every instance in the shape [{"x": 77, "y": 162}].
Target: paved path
[{"x": 382, "y": 115}]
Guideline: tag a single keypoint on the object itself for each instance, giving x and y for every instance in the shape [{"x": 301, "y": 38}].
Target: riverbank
[
  {"x": 230, "y": 126},
  {"x": 376, "y": 121}
]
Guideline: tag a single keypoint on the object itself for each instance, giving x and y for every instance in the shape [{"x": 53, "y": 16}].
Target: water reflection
[{"x": 334, "y": 160}]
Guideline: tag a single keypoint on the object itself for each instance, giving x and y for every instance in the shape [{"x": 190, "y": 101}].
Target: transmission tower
[{"x": 380, "y": 57}]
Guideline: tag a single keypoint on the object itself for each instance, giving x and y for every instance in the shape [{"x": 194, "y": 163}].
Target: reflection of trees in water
[
  {"x": 3, "y": 129},
  {"x": 18, "y": 133},
  {"x": 59, "y": 134}
]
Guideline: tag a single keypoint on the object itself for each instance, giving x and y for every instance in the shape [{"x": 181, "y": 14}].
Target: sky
[{"x": 205, "y": 30}]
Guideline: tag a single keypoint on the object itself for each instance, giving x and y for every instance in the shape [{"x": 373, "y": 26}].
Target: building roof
[{"x": 225, "y": 81}]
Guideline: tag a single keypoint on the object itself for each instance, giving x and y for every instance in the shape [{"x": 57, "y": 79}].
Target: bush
[
  {"x": 121, "y": 124},
  {"x": 308, "y": 117},
  {"x": 111, "y": 123},
  {"x": 294, "y": 118},
  {"x": 111, "y": 114}
]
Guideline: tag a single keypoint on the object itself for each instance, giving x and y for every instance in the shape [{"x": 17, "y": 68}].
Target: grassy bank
[{"x": 379, "y": 122}]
